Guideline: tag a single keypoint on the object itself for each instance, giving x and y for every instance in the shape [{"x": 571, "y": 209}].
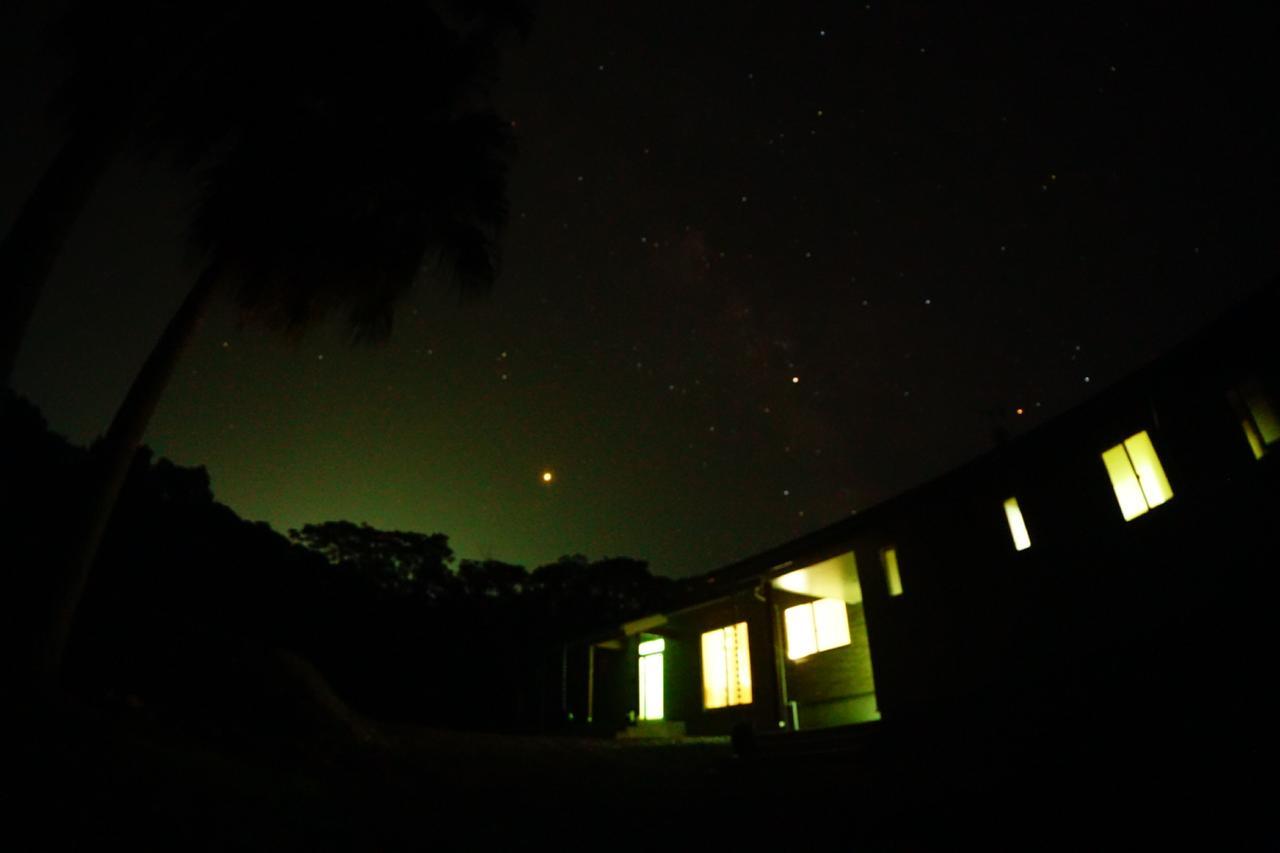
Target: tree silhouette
[
  {"x": 491, "y": 579},
  {"x": 190, "y": 604},
  {"x": 574, "y": 595},
  {"x": 396, "y": 562},
  {"x": 187, "y": 80},
  {"x": 125, "y": 58},
  {"x": 336, "y": 199}
]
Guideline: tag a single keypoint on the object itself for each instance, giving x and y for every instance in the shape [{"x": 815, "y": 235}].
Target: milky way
[{"x": 766, "y": 266}]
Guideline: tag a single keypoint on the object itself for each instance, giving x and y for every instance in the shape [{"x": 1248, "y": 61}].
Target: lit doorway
[{"x": 651, "y": 651}]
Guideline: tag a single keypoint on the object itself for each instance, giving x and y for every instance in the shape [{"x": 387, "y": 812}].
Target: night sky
[{"x": 768, "y": 265}]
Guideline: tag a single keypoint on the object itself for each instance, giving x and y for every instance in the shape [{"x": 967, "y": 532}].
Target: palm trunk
[
  {"x": 33, "y": 243},
  {"x": 113, "y": 457}
]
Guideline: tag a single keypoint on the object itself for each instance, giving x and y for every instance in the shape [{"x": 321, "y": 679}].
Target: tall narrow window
[
  {"x": 1017, "y": 526},
  {"x": 651, "y": 678},
  {"x": 892, "y": 577},
  {"x": 815, "y": 627},
  {"x": 1136, "y": 475},
  {"x": 726, "y": 667},
  {"x": 1257, "y": 413}
]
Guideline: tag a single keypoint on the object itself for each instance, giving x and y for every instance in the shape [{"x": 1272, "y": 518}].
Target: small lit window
[
  {"x": 1017, "y": 526},
  {"x": 651, "y": 678},
  {"x": 1257, "y": 415},
  {"x": 816, "y": 627},
  {"x": 889, "y": 559},
  {"x": 726, "y": 667},
  {"x": 1136, "y": 475}
]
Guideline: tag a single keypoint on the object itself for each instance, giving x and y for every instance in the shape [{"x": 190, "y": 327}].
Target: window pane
[
  {"x": 889, "y": 558},
  {"x": 726, "y": 667},
  {"x": 649, "y": 647},
  {"x": 1147, "y": 466},
  {"x": 802, "y": 639},
  {"x": 831, "y": 619},
  {"x": 715, "y": 686},
  {"x": 1017, "y": 527},
  {"x": 1255, "y": 440},
  {"x": 1125, "y": 482}
]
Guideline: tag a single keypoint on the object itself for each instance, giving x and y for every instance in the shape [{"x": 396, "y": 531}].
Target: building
[{"x": 1111, "y": 569}]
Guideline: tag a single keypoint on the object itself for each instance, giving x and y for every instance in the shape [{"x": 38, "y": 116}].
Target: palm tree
[
  {"x": 123, "y": 55},
  {"x": 184, "y": 80},
  {"x": 338, "y": 199}
]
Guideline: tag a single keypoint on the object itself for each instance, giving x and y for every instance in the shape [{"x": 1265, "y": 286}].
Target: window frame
[
  {"x": 1137, "y": 475},
  {"x": 814, "y": 632},
  {"x": 734, "y": 657},
  {"x": 1255, "y": 408},
  {"x": 1017, "y": 524}
]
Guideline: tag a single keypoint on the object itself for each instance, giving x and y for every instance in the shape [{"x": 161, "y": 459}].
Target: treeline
[{"x": 188, "y": 602}]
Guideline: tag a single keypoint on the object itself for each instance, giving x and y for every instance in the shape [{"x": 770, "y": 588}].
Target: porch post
[
  {"x": 779, "y": 654},
  {"x": 591, "y": 681}
]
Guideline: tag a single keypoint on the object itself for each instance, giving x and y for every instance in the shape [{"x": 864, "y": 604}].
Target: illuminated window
[
  {"x": 1257, "y": 415},
  {"x": 889, "y": 559},
  {"x": 1136, "y": 475},
  {"x": 816, "y": 627},
  {"x": 726, "y": 667},
  {"x": 651, "y": 678},
  {"x": 1017, "y": 527}
]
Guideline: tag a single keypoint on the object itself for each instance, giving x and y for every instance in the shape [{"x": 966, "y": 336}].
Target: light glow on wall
[
  {"x": 1257, "y": 415},
  {"x": 1136, "y": 475},
  {"x": 815, "y": 627},
  {"x": 726, "y": 667},
  {"x": 833, "y": 578},
  {"x": 1017, "y": 527},
  {"x": 1264, "y": 415}
]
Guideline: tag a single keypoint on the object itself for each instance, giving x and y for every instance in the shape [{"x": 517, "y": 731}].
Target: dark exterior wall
[
  {"x": 832, "y": 687},
  {"x": 616, "y": 680},
  {"x": 978, "y": 617},
  {"x": 684, "y": 669},
  {"x": 1099, "y": 615}
]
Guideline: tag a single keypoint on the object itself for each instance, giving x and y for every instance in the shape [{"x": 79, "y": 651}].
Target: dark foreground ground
[{"x": 81, "y": 779}]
